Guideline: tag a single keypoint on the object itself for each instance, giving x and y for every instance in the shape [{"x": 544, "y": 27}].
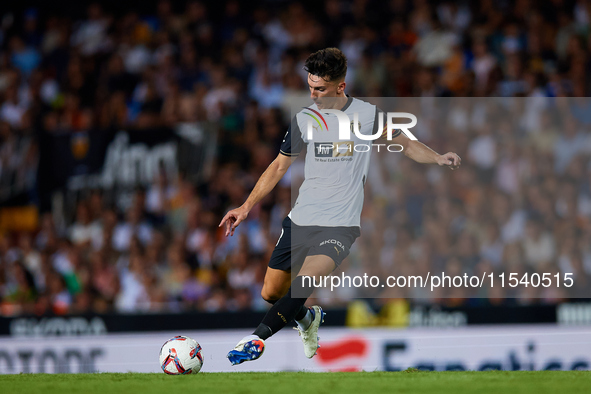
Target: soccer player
[{"x": 325, "y": 220}]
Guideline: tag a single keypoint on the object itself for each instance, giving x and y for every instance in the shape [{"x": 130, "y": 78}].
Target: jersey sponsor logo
[
  {"x": 318, "y": 123},
  {"x": 333, "y": 149},
  {"x": 343, "y": 148},
  {"x": 323, "y": 149}
]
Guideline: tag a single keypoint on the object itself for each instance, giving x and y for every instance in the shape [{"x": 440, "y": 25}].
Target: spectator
[
  {"x": 83, "y": 230},
  {"x": 134, "y": 226}
]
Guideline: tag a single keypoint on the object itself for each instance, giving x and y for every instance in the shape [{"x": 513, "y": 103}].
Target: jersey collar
[{"x": 348, "y": 104}]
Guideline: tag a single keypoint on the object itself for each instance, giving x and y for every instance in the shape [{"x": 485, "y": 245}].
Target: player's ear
[{"x": 341, "y": 87}]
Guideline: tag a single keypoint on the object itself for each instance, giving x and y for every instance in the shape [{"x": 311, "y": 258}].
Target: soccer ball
[{"x": 180, "y": 356}]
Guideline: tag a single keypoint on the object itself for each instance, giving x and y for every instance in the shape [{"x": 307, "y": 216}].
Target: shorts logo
[
  {"x": 333, "y": 149},
  {"x": 333, "y": 242}
]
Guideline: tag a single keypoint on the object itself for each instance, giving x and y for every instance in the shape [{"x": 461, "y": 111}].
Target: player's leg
[
  {"x": 291, "y": 306},
  {"x": 275, "y": 284},
  {"x": 318, "y": 258},
  {"x": 284, "y": 310},
  {"x": 309, "y": 319},
  {"x": 329, "y": 245}
]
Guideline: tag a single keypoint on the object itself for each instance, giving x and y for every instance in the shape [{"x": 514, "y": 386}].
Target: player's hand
[
  {"x": 449, "y": 159},
  {"x": 233, "y": 219}
]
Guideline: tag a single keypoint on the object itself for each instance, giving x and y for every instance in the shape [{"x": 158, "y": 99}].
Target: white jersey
[{"x": 335, "y": 170}]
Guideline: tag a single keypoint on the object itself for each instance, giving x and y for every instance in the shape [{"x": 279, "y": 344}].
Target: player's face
[{"x": 320, "y": 88}]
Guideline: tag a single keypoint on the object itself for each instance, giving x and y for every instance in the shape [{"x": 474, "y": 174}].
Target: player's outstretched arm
[
  {"x": 421, "y": 153},
  {"x": 264, "y": 185}
]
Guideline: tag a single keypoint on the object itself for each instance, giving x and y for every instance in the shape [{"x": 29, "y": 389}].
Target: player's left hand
[{"x": 449, "y": 159}]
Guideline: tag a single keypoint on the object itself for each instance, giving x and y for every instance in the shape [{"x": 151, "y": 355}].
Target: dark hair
[{"x": 329, "y": 64}]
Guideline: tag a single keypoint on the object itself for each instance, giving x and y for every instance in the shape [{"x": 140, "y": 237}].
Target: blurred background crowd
[{"x": 521, "y": 200}]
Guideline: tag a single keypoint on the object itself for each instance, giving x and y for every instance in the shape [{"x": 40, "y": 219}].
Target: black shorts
[{"x": 297, "y": 242}]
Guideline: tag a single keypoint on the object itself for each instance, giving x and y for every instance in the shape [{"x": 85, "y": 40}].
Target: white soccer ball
[{"x": 180, "y": 356}]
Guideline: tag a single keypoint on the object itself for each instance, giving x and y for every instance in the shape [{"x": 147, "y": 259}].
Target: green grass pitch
[{"x": 304, "y": 382}]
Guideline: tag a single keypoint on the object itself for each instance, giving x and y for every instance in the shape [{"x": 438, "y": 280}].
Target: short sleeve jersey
[{"x": 335, "y": 169}]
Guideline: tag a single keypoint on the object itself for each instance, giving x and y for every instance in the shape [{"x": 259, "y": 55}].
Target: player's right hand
[{"x": 233, "y": 219}]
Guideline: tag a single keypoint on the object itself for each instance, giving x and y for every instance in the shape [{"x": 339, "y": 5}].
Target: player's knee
[{"x": 269, "y": 296}]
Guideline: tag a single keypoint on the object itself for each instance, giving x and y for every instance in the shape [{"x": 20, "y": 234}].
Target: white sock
[{"x": 305, "y": 322}]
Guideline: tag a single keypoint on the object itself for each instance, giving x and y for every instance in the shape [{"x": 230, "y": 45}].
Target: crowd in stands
[{"x": 521, "y": 200}]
